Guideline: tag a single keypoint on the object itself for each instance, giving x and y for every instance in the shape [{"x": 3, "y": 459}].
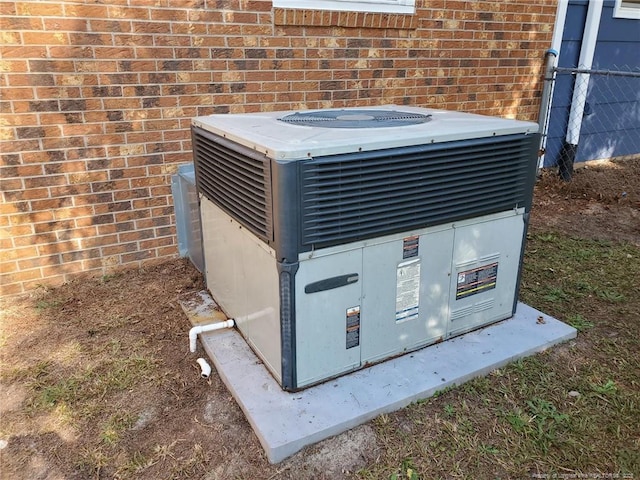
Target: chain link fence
[{"x": 591, "y": 136}]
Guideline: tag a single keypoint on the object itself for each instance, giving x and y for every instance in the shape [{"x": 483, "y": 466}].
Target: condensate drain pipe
[
  {"x": 205, "y": 368},
  {"x": 198, "y": 329}
]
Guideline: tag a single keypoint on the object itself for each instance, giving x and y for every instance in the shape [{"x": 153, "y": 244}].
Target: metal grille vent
[
  {"x": 361, "y": 118},
  {"x": 357, "y": 196},
  {"x": 235, "y": 178}
]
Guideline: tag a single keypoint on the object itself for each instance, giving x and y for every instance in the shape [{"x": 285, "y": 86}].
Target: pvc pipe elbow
[
  {"x": 193, "y": 336},
  {"x": 205, "y": 368},
  {"x": 198, "y": 329}
]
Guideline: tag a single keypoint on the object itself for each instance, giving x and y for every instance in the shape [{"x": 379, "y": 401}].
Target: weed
[
  {"x": 584, "y": 286},
  {"x": 629, "y": 461},
  {"x": 439, "y": 393},
  {"x": 517, "y": 421},
  {"x": 407, "y": 471},
  {"x": 449, "y": 410},
  {"x": 519, "y": 365},
  {"x": 543, "y": 410},
  {"x": 137, "y": 463},
  {"x": 30, "y": 374},
  {"x": 383, "y": 419},
  {"x": 583, "y": 254},
  {"x": 611, "y": 295},
  {"x": 108, "y": 277},
  {"x": 540, "y": 425},
  {"x": 81, "y": 390},
  {"x": 42, "y": 305},
  {"x": 547, "y": 237},
  {"x": 164, "y": 451},
  {"x": 578, "y": 322},
  {"x": 556, "y": 295},
  {"x": 608, "y": 388},
  {"x": 478, "y": 385},
  {"x": 545, "y": 422},
  {"x": 488, "y": 449},
  {"x": 60, "y": 392},
  {"x": 115, "y": 425}
]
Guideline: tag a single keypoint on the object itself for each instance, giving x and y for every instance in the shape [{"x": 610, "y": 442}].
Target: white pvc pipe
[
  {"x": 589, "y": 38},
  {"x": 198, "y": 329},
  {"x": 205, "y": 368},
  {"x": 558, "y": 28}
]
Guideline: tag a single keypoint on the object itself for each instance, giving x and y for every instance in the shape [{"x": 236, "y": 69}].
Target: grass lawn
[{"x": 573, "y": 409}]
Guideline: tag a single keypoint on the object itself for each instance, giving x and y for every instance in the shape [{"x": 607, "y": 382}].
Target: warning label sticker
[
  {"x": 353, "y": 327},
  {"x": 407, "y": 290},
  {"x": 410, "y": 247},
  {"x": 476, "y": 280}
]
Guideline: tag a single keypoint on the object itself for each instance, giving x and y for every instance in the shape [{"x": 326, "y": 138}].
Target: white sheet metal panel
[
  {"x": 394, "y": 318},
  {"x": 242, "y": 276},
  {"x": 283, "y": 141},
  {"x": 486, "y": 256},
  {"x": 321, "y": 318}
]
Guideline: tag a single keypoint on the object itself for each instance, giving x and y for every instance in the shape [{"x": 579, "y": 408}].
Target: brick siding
[{"x": 97, "y": 100}]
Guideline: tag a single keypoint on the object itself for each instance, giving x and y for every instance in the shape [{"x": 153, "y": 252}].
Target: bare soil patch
[
  {"x": 602, "y": 202},
  {"x": 97, "y": 382}
]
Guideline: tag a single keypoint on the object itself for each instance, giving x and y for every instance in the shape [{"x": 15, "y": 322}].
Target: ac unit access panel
[{"x": 373, "y": 300}]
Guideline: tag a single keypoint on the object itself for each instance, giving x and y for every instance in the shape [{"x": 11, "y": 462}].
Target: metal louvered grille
[
  {"x": 357, "y": 196},
  {"x": 235, "y": 178},
  {"x": 360, "y": 118}
]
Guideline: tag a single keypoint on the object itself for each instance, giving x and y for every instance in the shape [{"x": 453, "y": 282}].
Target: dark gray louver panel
[
  {"x": 357, "y": 196},
  {"x": 236, "y": 178}
]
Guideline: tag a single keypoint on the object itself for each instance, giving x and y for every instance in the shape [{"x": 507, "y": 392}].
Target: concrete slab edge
[
  {"x": 278, "y": 449},
  {"x": 278, "y": 454}
]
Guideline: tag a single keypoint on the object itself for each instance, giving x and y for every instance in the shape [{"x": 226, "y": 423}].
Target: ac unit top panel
[{"x": 308, "y": 134}]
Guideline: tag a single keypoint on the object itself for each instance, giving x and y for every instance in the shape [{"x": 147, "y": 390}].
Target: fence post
[{"x": 545, "y": 101}]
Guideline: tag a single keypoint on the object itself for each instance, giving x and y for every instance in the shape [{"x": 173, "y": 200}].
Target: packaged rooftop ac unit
[{"x": 340, "y": 238}]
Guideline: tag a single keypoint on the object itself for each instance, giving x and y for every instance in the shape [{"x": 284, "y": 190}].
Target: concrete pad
[
  {"x": 286, "y": 422},
  {"x": 200, "y": 308}
]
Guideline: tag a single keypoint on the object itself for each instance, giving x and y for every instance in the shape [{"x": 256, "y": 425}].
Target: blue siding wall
[
  {"x": 563, "y": 90},
  {"x": 611, "y": 124}
]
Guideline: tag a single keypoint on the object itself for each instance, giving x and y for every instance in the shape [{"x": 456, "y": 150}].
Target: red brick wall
[{"x": 97, "y": 99}]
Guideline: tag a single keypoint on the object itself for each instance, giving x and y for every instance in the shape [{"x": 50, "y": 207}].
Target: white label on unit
[
  {"x": 407, "y": 290},
  {"x": 353, "y": 327}
]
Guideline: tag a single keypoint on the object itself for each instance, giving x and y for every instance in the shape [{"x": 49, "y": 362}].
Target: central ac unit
[{"x": 340, "y": 238}]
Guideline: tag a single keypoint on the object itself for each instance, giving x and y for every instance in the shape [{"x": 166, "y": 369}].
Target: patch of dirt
[
  {"x": 11, "y": 397},
  {"x": 602, "y": 201},
  {"x": 71, "y": 410},
  {"x": 174, "y": 424},
  {"x": 338, "y": 456}
]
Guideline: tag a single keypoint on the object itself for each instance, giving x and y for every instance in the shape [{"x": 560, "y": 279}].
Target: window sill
[
  {"x": 332, "y": 18},
  {"x": 403, "y": 7},
  {"x": 630, "y": 10}
]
